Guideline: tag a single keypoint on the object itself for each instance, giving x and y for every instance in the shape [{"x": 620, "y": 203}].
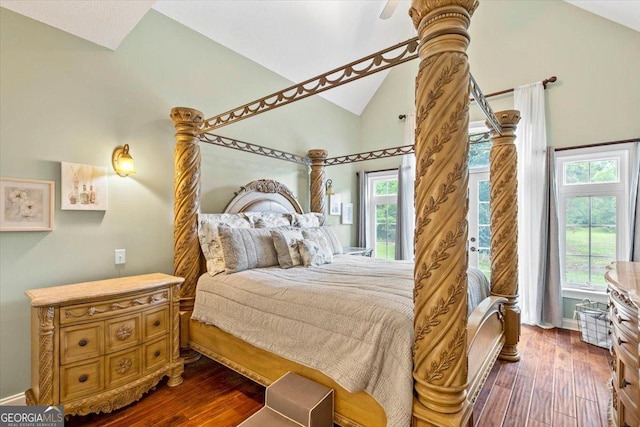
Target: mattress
[{"x": 351, "y": 319}]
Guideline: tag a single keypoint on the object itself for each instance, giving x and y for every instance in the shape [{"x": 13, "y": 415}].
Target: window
[
  {"x": 593, "y": 194},
  {"x": 383, "y": 209},
  {"x": 479, "y": 195}
]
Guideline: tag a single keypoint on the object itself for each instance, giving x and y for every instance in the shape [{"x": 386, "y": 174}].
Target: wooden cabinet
[
  {"x": 98, "y": 346},
  {"x": 623, "y": 279}
]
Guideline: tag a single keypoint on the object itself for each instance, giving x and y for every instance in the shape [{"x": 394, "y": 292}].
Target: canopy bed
[{"x": 453, "y": 348}]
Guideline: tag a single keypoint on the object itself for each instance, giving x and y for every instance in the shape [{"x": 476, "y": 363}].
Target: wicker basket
[{"x": 593, "y": 320}]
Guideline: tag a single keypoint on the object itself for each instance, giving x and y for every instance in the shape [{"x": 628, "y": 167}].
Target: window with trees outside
[
  {"x": 383, "y": 210},
  {"x": 593, "y": 193}
]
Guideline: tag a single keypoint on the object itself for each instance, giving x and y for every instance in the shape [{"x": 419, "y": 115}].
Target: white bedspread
[{"x": 352, "y": 320}]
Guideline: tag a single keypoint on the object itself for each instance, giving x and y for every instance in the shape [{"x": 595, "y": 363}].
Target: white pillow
[
  {"x": 210, "y": 240},
  {"x": 286, "y": 244},
  {"x": 315, "y": 251},
  {"x": 268, "y": 219},
  {"x": 328, "y": 233},
  {"x": 246, "y": 248},
  {"x": 307, "y": 220}
]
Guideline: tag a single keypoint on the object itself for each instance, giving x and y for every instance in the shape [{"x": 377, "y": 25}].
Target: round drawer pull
[
  {"x": 620, "y": 319},
  {"x": 83, "y": 378},
  {"x": 157, "y": 353},
  {"x": 83, "y": 342},
  {"x": 156, "y": 323},
  {"x": 625, "y": 383},
  {"x": 621, "y": 341}
]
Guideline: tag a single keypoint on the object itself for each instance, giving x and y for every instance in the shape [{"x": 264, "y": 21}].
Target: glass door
[{"x": 479, "y": 221}]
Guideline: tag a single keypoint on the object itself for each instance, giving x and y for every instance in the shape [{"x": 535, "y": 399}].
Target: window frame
[
  {"x": 374, "y": 200},
  {"x": 620, "y": 190}
]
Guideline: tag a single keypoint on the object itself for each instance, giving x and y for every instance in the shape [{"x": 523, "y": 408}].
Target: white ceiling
[{"x": 296, "y": 39}]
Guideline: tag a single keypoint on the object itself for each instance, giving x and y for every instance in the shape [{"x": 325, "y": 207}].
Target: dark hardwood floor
[{"x": 560, "y": 381}]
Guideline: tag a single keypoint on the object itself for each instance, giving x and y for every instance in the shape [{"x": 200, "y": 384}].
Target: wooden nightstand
[
  {"x": 623, "y": 279},
  {"x": 98, "y": 346},
  {"x": 354, "y": 250}
]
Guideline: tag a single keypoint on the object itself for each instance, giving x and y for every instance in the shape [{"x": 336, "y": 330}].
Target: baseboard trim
[
  {"x": 15, "y": 400},
  {"x": 570, "y": 324}
]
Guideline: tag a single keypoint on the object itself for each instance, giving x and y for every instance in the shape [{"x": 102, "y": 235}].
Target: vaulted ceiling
[{"x": 296, "y": 39}]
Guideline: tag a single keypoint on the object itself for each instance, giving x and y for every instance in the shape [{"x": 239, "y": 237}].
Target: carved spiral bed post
[
  {"x": 318, "y": 191},
  {"x": 442, "y": 149},
  {"x": 186, "y": 185},
  {"x": 504, "y": 227}
]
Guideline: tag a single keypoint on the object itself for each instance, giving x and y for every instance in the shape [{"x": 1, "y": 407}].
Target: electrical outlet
[{"x": 120, "y": 256}]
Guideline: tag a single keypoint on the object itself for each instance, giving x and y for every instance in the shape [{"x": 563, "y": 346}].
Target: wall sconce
[
  {"x": 329, "y": 188},
  {"x": 122, "y": 161}
]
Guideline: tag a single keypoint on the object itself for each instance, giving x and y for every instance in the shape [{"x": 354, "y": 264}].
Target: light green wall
[
  {"x": 513, "y": 43},
  {"x": 65, "y": 99}
]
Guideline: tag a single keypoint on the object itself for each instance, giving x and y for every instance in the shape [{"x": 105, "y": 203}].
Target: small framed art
[
  {"x": 334, "y": 204},
  {"x": 347, "y": 213},
  {"x": 83, "y": 187},
  {"x": 26, "y": 204}
]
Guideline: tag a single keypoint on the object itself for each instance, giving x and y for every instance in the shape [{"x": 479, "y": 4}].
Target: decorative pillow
[
  {"x": 328, "y": 233},
  {"x": 311, "y": 219},
  {"x": 286, "y": 244},
  {"x": 246, "y": 248},
  {"x": 268, "y": 219},
  {"x": 209, "y": 238},
  {"x": 315, "y": 252}
]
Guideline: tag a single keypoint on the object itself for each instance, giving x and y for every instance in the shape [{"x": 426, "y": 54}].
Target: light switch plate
[{"x": 120, "y": 256}]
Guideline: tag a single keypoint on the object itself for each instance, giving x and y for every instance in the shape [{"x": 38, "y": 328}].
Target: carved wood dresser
[
  {"x": 623, "y": 279},
  {"x": 98, "y": 346}
]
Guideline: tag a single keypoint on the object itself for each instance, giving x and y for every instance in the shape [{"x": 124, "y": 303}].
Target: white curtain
[
  {"x": 634, "y": 204},
  {"x": 531, "y": 144},
  {"x": 363, "y": 209},
  {"x": 405, "y": 221}
]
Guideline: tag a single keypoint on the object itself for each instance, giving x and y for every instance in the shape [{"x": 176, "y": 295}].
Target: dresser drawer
[
  {"x": 123, "y": 367},
  {"x": 81, "y": 379},
  {"x": 626, "y": 345},
  {"x": 627, "y": 414},
  {"x": 112, "y": 307},
  {"x": 627, "y": 380},
  {"x": 624, "y": 318},
  {"x": 123, "y": 332},
  {"x": 156, "y": 354},
  {"x": 81, "y": 342},
  {"x": 156, "y": 323}
]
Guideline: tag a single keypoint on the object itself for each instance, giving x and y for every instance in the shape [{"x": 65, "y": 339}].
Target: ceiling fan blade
[{"x": 389, "y": 8}]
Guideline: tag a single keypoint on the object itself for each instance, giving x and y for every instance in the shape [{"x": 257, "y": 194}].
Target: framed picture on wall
[
  {"x": 26, "y": 204},
  {"x": 347, "y": 213},
  {"x": 334, "y": 204},
  {"x": 83, "y": 187}
]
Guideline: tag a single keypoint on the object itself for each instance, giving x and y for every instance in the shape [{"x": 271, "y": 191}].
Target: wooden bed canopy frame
[{"x": 452, "y": 354}]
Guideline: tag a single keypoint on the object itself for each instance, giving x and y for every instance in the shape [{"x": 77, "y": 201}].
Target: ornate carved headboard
[{"x": 264, "y": 195}]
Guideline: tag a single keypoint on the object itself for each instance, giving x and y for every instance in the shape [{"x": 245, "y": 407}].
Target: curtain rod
[
  {"x": 545, "y": 82},
  {"x": 599, "y": 144},
  {"x": 379, "y": 170}
]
